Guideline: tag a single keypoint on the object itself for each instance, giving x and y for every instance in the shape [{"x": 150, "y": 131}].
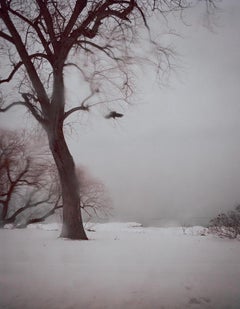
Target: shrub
[{"x": 226, "y": 224}]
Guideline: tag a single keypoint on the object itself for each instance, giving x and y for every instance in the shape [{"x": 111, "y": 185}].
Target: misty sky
[{"x": 175, "y": 156}]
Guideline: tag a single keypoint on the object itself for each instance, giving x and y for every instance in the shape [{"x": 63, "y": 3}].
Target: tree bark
[{"x": 72, "y": 219}]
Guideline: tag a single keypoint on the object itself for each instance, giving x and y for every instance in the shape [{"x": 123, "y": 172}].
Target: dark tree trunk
[
  {"x": 6, "y": 205},
  {"x": 4, "y": 211},
  {"x": 72, "y": 219},
  {"x": 3, "y": 219}
]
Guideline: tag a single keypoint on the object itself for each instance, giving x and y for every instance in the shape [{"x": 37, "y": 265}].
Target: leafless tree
[
  {"x": 94, "y": 199},
  {"x": 95, "y": 202},
  {"x": 30, "y": 188},
  {"x": 25, "y": 182},
  {"x": 41, "y": 38}
]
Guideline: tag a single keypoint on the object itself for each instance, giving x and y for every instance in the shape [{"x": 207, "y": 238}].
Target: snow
[{"x": 123, "y": 265}]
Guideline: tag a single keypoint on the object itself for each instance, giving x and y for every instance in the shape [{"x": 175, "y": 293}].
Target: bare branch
[
  {"x": 4, "y": 109},
  {"x": 32, "y": 108},
  {"x": 19, "y": 64},
  {"x": 49, "y": 22},
  {"x": 42, "y": 95},
  {"x": 11, "y": 75},
  {"x": 76, "y": 12},
  {"x": 6, "y": 37},
  {"x": 82, "y": 107},
  {"x": 26, "y": 103},
  {"x": 107, "y": 49},
  {"x": 24, "y": 208},
  {"x": 34, "y": 25},
  {"x": 96, "y": 17}
]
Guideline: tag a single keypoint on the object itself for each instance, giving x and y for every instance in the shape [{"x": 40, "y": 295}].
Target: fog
[{"x": 175, "y": 155}]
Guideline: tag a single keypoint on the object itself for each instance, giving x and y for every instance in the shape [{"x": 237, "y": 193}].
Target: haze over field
[{"x": 174, "y": 156}]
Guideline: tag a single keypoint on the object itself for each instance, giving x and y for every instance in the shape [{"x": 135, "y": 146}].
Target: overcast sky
[{"x": 175, "y": 156}]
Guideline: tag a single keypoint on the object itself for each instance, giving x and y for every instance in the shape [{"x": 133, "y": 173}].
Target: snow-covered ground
[{"x": 122, "y": 266}]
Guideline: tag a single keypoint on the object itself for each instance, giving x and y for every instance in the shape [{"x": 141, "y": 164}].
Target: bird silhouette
[{"x": 114, "y": 115}]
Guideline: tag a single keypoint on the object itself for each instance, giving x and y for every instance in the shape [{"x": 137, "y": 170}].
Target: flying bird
[{"x": 114, "y": 115}]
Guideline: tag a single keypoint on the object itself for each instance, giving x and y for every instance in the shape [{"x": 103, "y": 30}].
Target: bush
[{"x": 226, "y": 224}]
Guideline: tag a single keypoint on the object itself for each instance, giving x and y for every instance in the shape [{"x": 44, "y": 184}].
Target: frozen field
[{"x": 122, "y": 266}]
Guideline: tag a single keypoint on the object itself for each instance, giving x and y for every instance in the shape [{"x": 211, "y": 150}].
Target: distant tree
[
  {"x": 30, "y": 190},
  {"x": 40, "y": 38},
  {"x": 95, "y": 201},
  {"x": 226, "y": 224},
  {"x": 26, "y": 182}
]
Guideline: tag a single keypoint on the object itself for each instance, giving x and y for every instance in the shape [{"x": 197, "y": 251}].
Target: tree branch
[
  {"x": 76, "y": 12},
  {"x": 82, "y": 107},
  {"x": 40, "y": 219},
  {"x": 105, "y": 12},
  {"x": 37, "y": 84},
  {"x": 19, "y": 64},
  {"x": 10, "y": 76},
  {"x": 49, "y": 22},
  {"x": 6, "y": 37},
  {"x": 34, "y": 25},
  {"x": 28, "y": 105},
  {"x": 107, "y": 49},
  {"x": 101, "y": 12},
  {"x": 22, "y": 209}
]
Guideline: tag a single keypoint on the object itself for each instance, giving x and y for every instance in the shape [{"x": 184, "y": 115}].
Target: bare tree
[
  {"x": 30, "y": 188},
  {"x": 39, "y": 38},
  {"x": 25, "y": 181},
  {"x": 95, "y": 201}
]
